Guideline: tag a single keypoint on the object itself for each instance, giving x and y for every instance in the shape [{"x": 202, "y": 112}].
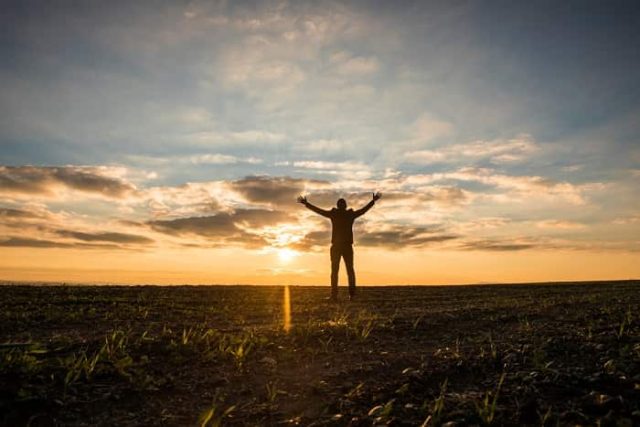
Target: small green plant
[
  {"x": 213, "y": 416},
  {"x": 487, "y": 408},
  {"x": 18, "y": 360},
  {"x": 525, "y": 324},
  {"x": 354, "y": 391},
  {"x": 546, "y": 417},
  {"x": 437, "y": 407},
  {"x": 457, "y": 354},
  {"x": 621, "y": 329},
  {"x": 493, "y": 348},
  {"x": 238, "y": 346},
  {"x": 417, "y": 321},
  {"x": 272, "y": 393},
  {"x": 305, "y": 331},
  {"x": 382, "y": 412},
  {"x": 610, "y": 366},
  {"x": 363, "y": 329},
  {"x": 187, "y": 336},
  {"x": 340, "y": 319},
  {"x": 325, "y": 343},
  {"x": 79, "y": 366}
]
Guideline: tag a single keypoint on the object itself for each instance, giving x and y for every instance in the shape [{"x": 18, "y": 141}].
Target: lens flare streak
[{"x": 286, "y": 309}]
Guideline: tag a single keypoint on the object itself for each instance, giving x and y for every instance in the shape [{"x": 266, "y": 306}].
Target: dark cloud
[
  {"x": 440, "y": 193},
  {"x": 313, "y": 240},
  {"x": 219, "y": 225},
  {"x": 25, "y": 220},
  {"x": 227, "y": 227},
  {"x": 23, "y": 242},
  {"x": 327, "y": 198},
  {"x": 397, "y": 237},
  {"x": 496, "y": 245},
  {"x": 17, "y": 214},
  {"x": 260, "y": 217},
  {"x": 446, "y": 195},
  {"x": 129, "y": 223},
  {"x": 274, "y": 190},
  {"x": 41, "y": 222},
  {"x": 43, "y": 180},
  {"x": 105, "y": 237}
]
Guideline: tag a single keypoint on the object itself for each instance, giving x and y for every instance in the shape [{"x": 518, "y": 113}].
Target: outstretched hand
[
  {"x": 302, "y": 199},
  {"x": 376, "y": 196}
]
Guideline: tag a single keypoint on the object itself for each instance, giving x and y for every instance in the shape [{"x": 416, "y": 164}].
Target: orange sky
[{"x": 373, "y": 267}]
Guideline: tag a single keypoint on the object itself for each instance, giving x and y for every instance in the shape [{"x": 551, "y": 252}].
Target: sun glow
[{"x": 286, "y": 255}]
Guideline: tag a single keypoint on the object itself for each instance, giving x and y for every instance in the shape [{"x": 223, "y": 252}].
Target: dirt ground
[{"x": 547, "y": 354}]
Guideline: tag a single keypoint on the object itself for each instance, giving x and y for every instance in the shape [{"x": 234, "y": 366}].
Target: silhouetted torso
[{"x": 342, "y": 226}]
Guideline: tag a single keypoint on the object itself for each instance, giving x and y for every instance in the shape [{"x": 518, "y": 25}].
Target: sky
[{"x": 166, "y": 142}]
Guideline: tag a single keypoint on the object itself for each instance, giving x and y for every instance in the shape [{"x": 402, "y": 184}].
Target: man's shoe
[{"x": 331, "y": 299}]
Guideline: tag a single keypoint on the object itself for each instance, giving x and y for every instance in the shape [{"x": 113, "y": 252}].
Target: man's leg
[
  {"x": 347, "y": 254},
  {"x": 335, "y": 266}
]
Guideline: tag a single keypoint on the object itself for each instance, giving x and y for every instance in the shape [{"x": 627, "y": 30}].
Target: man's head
[{"x": 341, "y": 204}]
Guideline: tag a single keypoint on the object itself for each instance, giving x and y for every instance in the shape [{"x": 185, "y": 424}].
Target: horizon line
[{"x": 114, "y": 284}]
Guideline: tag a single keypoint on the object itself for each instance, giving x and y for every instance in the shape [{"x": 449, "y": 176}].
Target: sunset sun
[{"x": 286, "y": 255}]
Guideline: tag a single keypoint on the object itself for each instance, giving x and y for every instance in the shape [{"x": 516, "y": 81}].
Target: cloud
[
  {"x": 25, "y": 242},
  {"x": 251, "y": 68},
  {"x": 11, "y": 214},
  {"x": 404, "y": 204},
  {"x": 313, "y": 240},
  {"x": 516, "y": 186},
  {"x": 112, "y": 237},
  {"x": 39, "y": 227},
  {"x": 496, "y": 245},
  {"x": 446, "y": 195},
  {"x": 241, "y": 227},
  {"x": 46, "y": 181},
  {"x": 632, "y": 219},
  {"x": 257, "y": 136},
  {"x": 504, "y": 244},
  {"x": 403, "y": 237},
  {"x": 328, "y": 198},
  {"x": 497, "y": 151},
  {"x": 572, "y": 168},
  {"x": 427, "y": 128},
  {"x": 222, "y": 159},
  {"x": 184, "y": 200},
  {"x": 346, "y": 169},
  {"x": 260, "y": 211},
  {"x": 347, "y": 64},
  {"x": 559, "y": 224},
  {"x": 30, "y": 217},
  {"x": 528, "y": 185},
  {"x": 387, "y": 236},
  {"x": 276, "y": 191},
  {"x": 484, "y": 223}
]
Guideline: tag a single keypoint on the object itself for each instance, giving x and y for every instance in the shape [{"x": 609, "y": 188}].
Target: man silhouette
[{"x": 341, "y": 239}]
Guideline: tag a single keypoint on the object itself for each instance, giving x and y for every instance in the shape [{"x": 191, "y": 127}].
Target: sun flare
[{"x": 286, "y": 254}]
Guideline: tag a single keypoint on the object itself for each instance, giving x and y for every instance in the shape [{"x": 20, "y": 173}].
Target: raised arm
[
  {"x": 312, "y": 207},
  {"x": 363, "y": 210}
]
